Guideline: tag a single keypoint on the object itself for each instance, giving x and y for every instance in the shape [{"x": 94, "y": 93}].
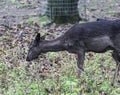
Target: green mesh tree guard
[{"x": 62, "y": 11}]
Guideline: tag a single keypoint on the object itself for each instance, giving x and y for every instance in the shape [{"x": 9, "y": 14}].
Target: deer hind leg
[{"x": 116, "y": 56}]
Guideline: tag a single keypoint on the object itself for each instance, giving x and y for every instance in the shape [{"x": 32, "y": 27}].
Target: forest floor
[{"x": 53, "y": 73}]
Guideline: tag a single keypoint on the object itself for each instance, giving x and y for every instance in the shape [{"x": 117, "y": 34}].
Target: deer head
[{"x": 34, "y": 49}]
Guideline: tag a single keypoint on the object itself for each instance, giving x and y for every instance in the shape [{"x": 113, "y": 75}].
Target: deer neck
[{"x": 53, "y": 45}]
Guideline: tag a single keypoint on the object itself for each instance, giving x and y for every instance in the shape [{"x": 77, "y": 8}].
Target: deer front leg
[{"x": 80, "y": 61}]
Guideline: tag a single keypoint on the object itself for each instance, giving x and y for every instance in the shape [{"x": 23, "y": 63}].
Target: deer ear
[{"x": 37, "y": 38}]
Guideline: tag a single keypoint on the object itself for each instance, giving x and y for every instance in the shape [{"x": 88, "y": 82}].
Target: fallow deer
[{"x": 99, "y": 37}]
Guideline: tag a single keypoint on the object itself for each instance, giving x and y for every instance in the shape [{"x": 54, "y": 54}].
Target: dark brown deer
[{"x": 98, "y": 37}]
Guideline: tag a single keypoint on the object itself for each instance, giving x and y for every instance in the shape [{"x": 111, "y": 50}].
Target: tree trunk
[{"x": 63, "y": 11}]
